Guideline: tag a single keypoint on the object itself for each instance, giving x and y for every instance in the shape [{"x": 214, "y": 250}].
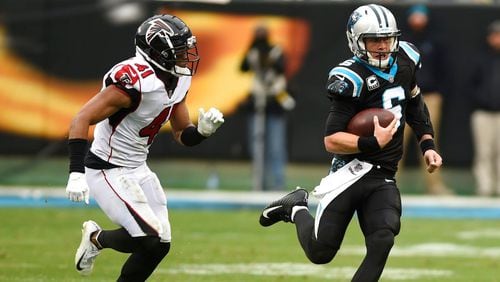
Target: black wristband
[
  {"x": 427, "y": 144},
  {"x": 190, "y": 136},
  {"x": 368, "y": 144},
  {"x": 77, "y": 150}
]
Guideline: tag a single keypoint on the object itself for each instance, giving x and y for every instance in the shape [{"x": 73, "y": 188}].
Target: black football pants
[{"x": 376, "y": 200}]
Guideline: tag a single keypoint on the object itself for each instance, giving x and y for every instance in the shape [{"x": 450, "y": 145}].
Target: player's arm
[
  {"x": 418, "y": 117},
  {"x": 417, "y": 114},
  {"x": 187, "y": 133},
  {"x": 180, "y": 121},
  {"x": 340, "y": 90},
  {"x": 432, "y": 158},
  {"x": 101, "y": 106},
  {"x": 346, "y": 143}
]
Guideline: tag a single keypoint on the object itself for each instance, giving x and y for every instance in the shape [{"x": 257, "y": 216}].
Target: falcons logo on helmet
[{"x": 160, "y": 28}]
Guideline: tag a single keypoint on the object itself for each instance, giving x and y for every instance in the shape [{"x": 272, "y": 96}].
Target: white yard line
[{"x": 299, "y": 269}]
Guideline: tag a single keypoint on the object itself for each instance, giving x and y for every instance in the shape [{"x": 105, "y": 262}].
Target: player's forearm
[
  {"x": 190, "y": 136},
  {"x": 77, "y": 144},
  {"x": 427, "y": 143},
  {"x": 341, "y": 143},
  {"x": 79, "y": 128},
  {"x": 425, "y": 137}
]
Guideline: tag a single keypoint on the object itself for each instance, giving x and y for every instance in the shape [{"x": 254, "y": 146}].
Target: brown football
[{"x": 362, "y": 123}]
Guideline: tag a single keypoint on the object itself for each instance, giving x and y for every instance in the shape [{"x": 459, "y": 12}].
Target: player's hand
[
  {"x": 384, "y": 134},
  {"x": 433, "y": 160},
  {"x": 209, "y": 121},
  {"x": 77, "y": 189}
]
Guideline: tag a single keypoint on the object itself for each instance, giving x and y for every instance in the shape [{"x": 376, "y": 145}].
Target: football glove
[
  {"x": 209, "y": 121},
  {"x": 77, "y": 189}
]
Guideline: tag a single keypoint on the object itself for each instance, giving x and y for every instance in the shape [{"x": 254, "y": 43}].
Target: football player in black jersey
[{"x": 381, "y": 74}]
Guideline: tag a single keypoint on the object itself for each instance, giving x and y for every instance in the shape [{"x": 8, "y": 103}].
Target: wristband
[
  {"x": 368, "y": 144},
  {"x": 427, "y": 144},
  {"x": 190, "y": 136},
  {"x": 77, "y": 150}
]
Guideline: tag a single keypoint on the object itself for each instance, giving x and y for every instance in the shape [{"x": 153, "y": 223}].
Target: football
[{"x": 362, "y": 123}]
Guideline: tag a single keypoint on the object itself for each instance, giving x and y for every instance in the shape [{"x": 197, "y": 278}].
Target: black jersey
[{"x": 354, "y": 85}]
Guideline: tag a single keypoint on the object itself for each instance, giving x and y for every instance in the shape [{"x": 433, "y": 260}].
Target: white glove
[
  {"x": 77, "y": 189},
  {"x": 208, "y": 122}
]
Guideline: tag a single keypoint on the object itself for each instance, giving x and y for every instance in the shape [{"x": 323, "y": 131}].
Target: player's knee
[
  {"x": 322, "y": 257},
  {"x": 154, "y": 247},
  {"x": 381, "y": 240},
  {"x": 319, "y": 253}
]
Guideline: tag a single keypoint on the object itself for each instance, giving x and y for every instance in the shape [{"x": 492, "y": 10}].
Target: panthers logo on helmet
[
  {"x": 158, "y": 28},
  {"x": 353, "y": 19}
]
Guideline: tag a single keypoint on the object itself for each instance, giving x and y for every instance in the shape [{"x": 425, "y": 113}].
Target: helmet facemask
[
  {"x": 181, "y": 59},
  {"x": 374, "y": 57}
]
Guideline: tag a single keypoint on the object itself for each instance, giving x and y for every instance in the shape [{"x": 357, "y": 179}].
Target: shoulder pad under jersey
[
  {"x": 344, "y": 81},
  {"x": 411, "y": 51},
  {"x": 132, "y": 74}
]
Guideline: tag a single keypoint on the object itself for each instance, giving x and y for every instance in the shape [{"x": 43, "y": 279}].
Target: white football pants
[{"x": 125, "y": 194}]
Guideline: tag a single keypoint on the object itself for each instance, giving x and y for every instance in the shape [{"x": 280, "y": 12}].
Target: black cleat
[{"x": 281, "y": 209}]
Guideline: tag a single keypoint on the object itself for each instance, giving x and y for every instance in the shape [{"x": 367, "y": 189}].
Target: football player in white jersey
[{"x": 138, "y": 96}]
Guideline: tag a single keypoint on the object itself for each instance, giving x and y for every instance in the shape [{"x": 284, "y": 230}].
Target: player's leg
[
  {"x": 118, "y": 193},
  {"x": 321, "y": 247},
  {"x": 90, "y": 246},
  {"x": 331, "y": 229},
  {"x": 143, "y": 261},
  {"x": 113, "y": 200},
  {"x": 379, "y": 218}
]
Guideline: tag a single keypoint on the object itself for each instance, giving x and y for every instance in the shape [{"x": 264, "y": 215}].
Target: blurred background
[{"x": 53, "y": 54}]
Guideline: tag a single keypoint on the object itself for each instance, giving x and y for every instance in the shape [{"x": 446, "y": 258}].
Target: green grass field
[{"x": 38, "y": 245}]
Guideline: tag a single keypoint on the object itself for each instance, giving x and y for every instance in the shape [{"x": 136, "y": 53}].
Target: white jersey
[{"x": 124, "y": 138}]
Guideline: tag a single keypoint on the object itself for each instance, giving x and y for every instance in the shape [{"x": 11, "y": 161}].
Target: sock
[
  {"x": 295, "y": 209},
  {"x": 119, "y": 240}
]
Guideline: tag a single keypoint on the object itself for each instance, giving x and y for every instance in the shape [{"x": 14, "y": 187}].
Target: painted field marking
[
  {"x": 479, "y": 234},
  {"x": 431, "y": 249},
  {"x": 299, "y": 269}
]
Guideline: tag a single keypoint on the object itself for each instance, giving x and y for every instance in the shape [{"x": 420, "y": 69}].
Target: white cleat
[{"x": 87, "y": 251}]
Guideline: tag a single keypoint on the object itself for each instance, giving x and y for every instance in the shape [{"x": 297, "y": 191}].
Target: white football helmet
[{"x": 372, "y": 21}]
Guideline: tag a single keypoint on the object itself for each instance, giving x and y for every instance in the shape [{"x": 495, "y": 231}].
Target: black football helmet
[{"x": 166, "y": 42}]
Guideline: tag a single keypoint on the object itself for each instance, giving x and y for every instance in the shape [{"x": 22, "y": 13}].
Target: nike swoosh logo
[
  {"x": 80, "y": 260},
  {"x": 389, "y": 180},
  {"x": 267, "y": 211}
]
